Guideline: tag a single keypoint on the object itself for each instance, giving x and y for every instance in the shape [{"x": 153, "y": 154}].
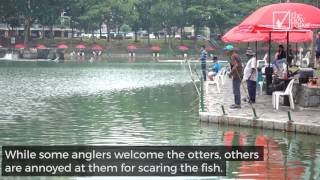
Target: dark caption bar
[{"x": 123, "y": 160}]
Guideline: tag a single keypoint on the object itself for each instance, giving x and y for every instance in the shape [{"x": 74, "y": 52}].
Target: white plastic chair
[
  {"x": 214, "y": 82},
  {"x": 221, "y": 74},
  {"x": 260, "y": 86},
  {"x": 306, "y": 60},
  {"x": 288, "y": 92},
  {"x": 299, "y": 57},
  {"x": 263, "y": 61}
]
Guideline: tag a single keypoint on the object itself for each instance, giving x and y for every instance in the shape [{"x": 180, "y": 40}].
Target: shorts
[
  {"x": 318, "y": 54},
  {"x": 211, "y": 73}
]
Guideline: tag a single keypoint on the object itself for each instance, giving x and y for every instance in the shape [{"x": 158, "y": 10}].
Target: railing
[{"x": 200, "y": 90}]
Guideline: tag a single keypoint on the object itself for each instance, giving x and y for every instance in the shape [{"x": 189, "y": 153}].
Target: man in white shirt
[{"x": 250, "y": 75}]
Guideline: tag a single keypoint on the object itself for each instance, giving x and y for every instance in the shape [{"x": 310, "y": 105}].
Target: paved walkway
[{"x": 309, "y": 118}]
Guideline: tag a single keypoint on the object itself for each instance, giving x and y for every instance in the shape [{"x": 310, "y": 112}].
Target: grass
[
  {"x": 318, "y": 73},
  {"x": 141, "y": 43}
]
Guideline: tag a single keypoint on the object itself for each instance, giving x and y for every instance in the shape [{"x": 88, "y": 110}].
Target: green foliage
[
  {"x": 125, "y": 28},
  {"x": 150, "y": 15}
]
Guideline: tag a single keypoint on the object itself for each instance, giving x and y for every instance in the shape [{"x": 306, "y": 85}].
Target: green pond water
[{"x": 141, "y": 103}]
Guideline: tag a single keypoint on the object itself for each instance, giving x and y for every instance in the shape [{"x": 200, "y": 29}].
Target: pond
[{"x": 142, "y": 103}]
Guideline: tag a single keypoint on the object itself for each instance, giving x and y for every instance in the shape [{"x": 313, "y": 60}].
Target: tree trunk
[
  {"x": 181, "y": 35},
  {"x": 165, "y": 37},
  {"x": 212, "y": 31},
  {"x": 43, "y": 33},
  {"x": 100, "y": 30},
  {"x": 92, "y": 35},
  {"x": 27, "y": 23},
  {"x": 51, "y": 32},
  {"x": 170, "y": 38},
  {"x": 108, "y": 30},
  {"x": 118, "y": 34},
  {"x": 135, "y": 35},
  {"x": 80, "y": 34},
  {"x": 72, "y": 29},
  {"x": 195, "y": 37},
  {"x": 148, "y": 31},
  {"x": 10, "y": 31}
]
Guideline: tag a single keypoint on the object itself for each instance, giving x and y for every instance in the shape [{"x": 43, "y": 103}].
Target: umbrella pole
[
  {"x": 269, "y": 50},
  {"x": 269, "y": 70},
  {"x": 287, "y": 53},
  {"x": 256, "y": 50},
  {"x": 296, "y": 53}
]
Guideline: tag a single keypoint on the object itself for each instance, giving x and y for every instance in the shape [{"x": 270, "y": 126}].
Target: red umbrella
[
  {"x": 131, "y": 47},
  {"x": 20, "y": 46},
  {"x": 237, "y": 36},
  {"x": 62, "y": 46},
  {"x": 41, "y": 46},
  {"x": 294, "y": 37},
  {"x": 283, "y": 17},
  {"x": 97, "y": 47},
  {"x": 209, "y": 49},
  {"x": 183, "y": 48},
  {"x": 156, "y": 48},
  {"x": 80, "y": 46}
]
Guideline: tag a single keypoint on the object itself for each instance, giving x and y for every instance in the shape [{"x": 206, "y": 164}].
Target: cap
[
  {"x": 228, "y": 48},
  {"x": 250, "y": 52}
]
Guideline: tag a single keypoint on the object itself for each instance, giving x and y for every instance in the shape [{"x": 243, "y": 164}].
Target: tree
[
  {"x": 30, "y": 11},
  {"x": 166, "y": 13},
  {"x": 134, "y": 20},
  {"x": 51, "y": 15},
  {"x": 125, "y": 29},
  {"x": 145, "y": 15},
  {"x": 111, "y": 12},
  {"x": 182, "y": 18},
  {"x": 9, "y": 14},
  {"x": 198, "y": 15},
  {"x": 73, "y": 9}
]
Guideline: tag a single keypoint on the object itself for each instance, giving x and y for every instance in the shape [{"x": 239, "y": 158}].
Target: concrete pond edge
[{"x": 260, "y": 123}]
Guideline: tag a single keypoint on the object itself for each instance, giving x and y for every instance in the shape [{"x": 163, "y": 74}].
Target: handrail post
[
  {"x": 201, "y": 95},
  {"x": 289, "y": 116},
  {"x": 254, "y": 113},
  {"x": 223, "y": 110}
]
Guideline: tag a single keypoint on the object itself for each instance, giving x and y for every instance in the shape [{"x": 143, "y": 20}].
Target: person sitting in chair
[
  {"x": 216, "y": 68},
  {"x": 280, "y": 58}
]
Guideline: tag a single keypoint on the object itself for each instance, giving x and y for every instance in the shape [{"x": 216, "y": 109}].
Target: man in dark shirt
[
  {"x": 236, "y": 74},
  {"x": 203, "y": 60}
]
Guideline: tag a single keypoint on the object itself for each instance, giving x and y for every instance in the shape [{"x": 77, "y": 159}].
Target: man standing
[
  {"x": 318, "y": 51},
  {"x": 236, "y": 74},
  {"x": 250, "y": 75},
  {"x": 203, "y": 60}
]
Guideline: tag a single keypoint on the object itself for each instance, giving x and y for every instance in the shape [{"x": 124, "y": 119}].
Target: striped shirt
[{"x": 203, "y": 57}]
